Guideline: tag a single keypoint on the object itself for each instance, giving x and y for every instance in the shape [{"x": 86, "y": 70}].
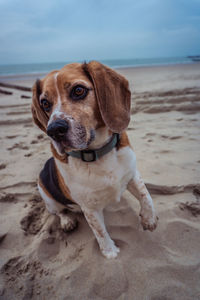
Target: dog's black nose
[{"x": 57, "y": 130}]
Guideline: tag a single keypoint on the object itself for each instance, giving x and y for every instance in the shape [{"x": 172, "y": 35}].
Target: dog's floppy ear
[
  {"x": 112, "y": 93},
  {"x": 39, "y": 116}
]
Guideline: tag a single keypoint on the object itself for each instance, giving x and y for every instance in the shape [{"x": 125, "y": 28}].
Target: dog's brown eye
[
  {"x": 46, "y": 105},
  {"x": 78, "y": 92}
]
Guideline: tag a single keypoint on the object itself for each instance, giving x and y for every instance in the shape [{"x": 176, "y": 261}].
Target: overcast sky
[{"x": 69, "y": 30}]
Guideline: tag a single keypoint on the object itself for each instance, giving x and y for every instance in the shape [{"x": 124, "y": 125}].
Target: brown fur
[
  {"x": 113, "y": 95},
  {"x": 107, "y": 103},
  {"x": 62, "y": 158},
  {"x": 39, "y": 117},
  {"x": 124, "y": 141}
]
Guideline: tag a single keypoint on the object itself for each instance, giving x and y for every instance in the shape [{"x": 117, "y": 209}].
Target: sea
[{"x": 40, "y": 68}]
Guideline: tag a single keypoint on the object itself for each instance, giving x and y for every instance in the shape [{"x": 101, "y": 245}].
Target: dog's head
[{"x": 71, "y": 104}]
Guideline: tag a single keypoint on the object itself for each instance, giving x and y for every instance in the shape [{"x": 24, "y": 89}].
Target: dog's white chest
[{"x": 96, "y": 184}]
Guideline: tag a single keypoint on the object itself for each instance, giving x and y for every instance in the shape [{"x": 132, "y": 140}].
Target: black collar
[{"x": 95, "y": 154}]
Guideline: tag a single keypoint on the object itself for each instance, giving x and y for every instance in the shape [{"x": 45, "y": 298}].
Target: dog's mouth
[
  {"x": 73, "y": 141},
  {"x": 70, "y": 135},
  {"x": 74, "y": 144}
]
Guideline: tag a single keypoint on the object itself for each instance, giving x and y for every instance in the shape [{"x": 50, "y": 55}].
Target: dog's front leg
[
  {"x": 147, "y": 213},
  {"x": 95, "y": 220}
]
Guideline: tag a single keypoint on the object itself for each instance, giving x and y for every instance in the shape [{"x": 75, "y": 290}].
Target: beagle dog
[{"x": 85, "y": 109}]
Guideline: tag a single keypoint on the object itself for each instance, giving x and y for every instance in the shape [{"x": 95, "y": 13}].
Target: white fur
[
  {"x": 148, "y": 216},
  {"x": 54, "y": 207},
  {"x": 96, "y": 184},
  {"x": 67, "y": 222},
  {"x": 57, "y": 110},
  {"x": 102, "y": 137}
]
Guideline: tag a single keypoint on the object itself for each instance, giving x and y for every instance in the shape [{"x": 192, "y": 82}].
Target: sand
[{"x": 39, "y": 261}]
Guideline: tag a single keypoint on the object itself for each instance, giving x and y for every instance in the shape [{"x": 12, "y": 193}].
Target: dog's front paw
[
  {"x": 68, "y": 223},
  {"x": 111, "y": 252},
  {"x": 149, "y": 220}
]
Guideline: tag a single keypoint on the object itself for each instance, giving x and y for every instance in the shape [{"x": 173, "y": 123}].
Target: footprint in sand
[
  {"x": 2, "y": 237},
  {"x": 175, "y": 137},
  {"x": 11, "y": 136},
  {"x": 34, "y": 142},
  {"x": 32, "y": 223},
  {"x": 28, "y": 125},
  {"x": 109, "y": 277},
  {"x": 2, "y": 166},
  {"x": 22, "y": 277},
  {"x": 193, "y": 207},
  {"x": 40, "y": 136},
  {"x": 48, "y": 247},
  {"x": 28, "y": 154},
  {"x": 176, "y": 236},
  {"x": 7, "y": 197},
  {"x": 25, "y": 97},
  {"x": 150, "y": 134},
  {"x": 18, "y": 146}
]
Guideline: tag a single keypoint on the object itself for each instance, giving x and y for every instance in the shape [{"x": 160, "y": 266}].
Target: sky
[{"x": 72, "y": 30}]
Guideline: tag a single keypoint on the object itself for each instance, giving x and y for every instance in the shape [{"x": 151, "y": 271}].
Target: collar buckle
[{"x": 89, "y": 155}]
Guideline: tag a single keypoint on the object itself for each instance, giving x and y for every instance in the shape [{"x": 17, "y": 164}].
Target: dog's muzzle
[{"x": 57, "y": 130}]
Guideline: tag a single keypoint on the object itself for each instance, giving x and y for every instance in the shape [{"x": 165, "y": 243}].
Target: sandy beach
[{"x": 39, "y": 261}]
